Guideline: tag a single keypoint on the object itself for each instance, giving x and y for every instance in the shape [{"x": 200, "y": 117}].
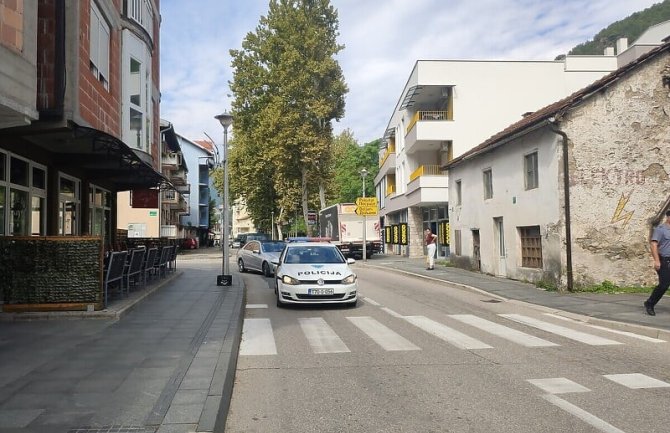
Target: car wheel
[
  {"x": 240, "y": 265},
  {"x": 266, "y": 269}
]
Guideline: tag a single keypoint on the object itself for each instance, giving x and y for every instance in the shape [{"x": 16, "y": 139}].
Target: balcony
[
  {"x": 171, "y": 160},
  {"x": 427, "y": 129},
  {"x": 390, "y": 190},
  {"x": 183, "y": 189},
  {"x": 178, "y": 177},
  {"x": 169, "y": 196},
  {"x": 169, "y": 232}
]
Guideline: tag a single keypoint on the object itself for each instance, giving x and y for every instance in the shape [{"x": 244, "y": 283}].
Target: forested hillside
[{"x": 631, "y": 27}]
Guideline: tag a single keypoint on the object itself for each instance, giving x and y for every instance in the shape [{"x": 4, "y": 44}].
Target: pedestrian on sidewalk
[
  {"x": 660, "y": 252},
  {"x": 431, "y": 246}
]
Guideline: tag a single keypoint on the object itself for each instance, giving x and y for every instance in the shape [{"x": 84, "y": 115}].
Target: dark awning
[{"x": 101, "y": 157}]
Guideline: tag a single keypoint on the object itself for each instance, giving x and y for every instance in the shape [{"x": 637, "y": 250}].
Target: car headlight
[
  {"x": 289, "y": 280},
  {"x": 351, "y": 279}
]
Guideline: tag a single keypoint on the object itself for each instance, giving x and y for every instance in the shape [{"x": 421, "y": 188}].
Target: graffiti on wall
[
  {"x": 607, "y": 176},
  {"x": 620, "y": 213}
]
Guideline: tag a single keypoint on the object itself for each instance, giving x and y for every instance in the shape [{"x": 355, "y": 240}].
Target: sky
[{"x": 383, "y": 40}]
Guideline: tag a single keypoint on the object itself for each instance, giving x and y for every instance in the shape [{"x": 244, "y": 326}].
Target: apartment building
[
  {"x": 195, "y": 221},
  {"x": 569, "y": 195},
  {"x": 448, "y": 107},
  {"x": 79, "y": 106}
]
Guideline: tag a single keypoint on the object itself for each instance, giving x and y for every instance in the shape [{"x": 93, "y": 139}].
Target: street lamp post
[
  {"x": 364, "y": 173},
  {"x": 226, "y": 279}
]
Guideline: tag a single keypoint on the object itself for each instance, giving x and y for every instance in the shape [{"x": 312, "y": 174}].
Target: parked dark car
[{"x": 243, "y": 238}]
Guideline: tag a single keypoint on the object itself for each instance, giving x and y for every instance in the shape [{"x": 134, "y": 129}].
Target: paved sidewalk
[{"x": 624, "y": 311}]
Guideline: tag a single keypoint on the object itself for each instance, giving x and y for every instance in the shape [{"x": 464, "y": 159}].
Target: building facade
[
  {"x": 569, "y": 194},
  {"x": 196, "y": 221},
  {"x": 72, "y": 76}
]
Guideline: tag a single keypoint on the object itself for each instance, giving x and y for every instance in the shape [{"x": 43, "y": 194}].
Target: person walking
[
  {"x": 431, "y": 246},
  {"x": 660, "y": 252}
]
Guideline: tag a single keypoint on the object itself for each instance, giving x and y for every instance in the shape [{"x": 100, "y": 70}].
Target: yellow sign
[
  {"x": 366, "y": 201},
  {"x": 366, "y": 210}
]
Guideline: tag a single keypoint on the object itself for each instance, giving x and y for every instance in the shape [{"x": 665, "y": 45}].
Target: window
[
  {"x": 68, "y": 205},
  {"x": 458, "y": 193},
  {"x": 99, "y": 34},
  {"x": 488, "y": 184},
  {"x": 100, "y": 213},
  {"x": 530, "y": 170},
  {"x": 457, "y": 242},
  {"x": 22, "y": 197},
  {"x": 531, "y": 247}
]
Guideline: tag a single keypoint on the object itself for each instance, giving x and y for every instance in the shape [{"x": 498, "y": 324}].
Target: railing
[
  {"x": 142, "y": 13},
  {"x": 428, "y": 115},
  {"x": 169, "y": 231},
  {"x": 426, "y": 170},
  {"x": 389, "y": 150},
  {"x": 390, "y": 189}
]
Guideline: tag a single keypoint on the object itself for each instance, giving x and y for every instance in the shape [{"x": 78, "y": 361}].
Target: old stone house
[{"x": 569, "y": 194}]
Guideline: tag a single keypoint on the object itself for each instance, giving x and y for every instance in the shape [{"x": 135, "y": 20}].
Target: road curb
[{"x": 648, "y": 331}]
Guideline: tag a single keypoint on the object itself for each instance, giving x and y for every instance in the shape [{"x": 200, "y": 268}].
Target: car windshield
[
  {"x": 313, "y": 254},
  {"x": 272, "y": 247}
]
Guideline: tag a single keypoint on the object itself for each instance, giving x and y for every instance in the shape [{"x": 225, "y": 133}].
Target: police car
[{"x": 314, "y": 273}]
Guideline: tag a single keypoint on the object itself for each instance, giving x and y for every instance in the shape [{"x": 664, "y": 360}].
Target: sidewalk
[{"x": 622, "y": 311}]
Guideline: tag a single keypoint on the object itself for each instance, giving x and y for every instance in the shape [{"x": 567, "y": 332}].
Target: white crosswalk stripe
[
  {"x": 503, "y": 331},
  {"x": 257, "y": 338},
  {"x": 582, "y": 337},
  {"x": 321, "y": 336},
  {"x": 637, "y": 381},
  {"x": 613, "y": 331},
  {"x": 446, "y": 333},
  {"x": 382, "y": 335}
]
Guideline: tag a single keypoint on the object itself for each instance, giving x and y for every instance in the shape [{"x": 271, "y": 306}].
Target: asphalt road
[{"x": 420, "y": 356}]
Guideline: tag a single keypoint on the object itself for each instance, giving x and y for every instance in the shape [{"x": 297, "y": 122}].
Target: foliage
[
  {"x": 609, "y": 287},
  {"x": 546, "y": 285},
  {"x": 288, "y": 88},
  {"x": 631, "y": 27},
  {"x": 350, "y": 158},
  {"x": 213, "y": 214}
]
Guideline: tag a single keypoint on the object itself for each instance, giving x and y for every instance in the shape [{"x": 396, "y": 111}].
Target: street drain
[{"x": 492, "y": 301}]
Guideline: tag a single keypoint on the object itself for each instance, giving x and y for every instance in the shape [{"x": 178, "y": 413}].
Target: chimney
[
  {"x": 609, "y": 51},
  {"x": 621, "y": 45}
]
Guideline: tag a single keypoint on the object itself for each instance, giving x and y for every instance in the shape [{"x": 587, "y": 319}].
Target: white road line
[
  {"x": 614, "y": 331},
  {"x": 558, "y": 385},
  {"x": 371, "y": 301},
  {"x": 257, "y": 338},
  {"x": 254, "y": 306},
  {"x": 321, "y": 336},
  {"x": 588, "y": 418},
  {"x": 636, "y": 381},
  {"x": 503, "y": 331},
  {"x": 572, "y": 334},
  {"x": 382, "y": 335},
  {"x": 392, "y": 313},
  {"x": 446, "y": 333}
]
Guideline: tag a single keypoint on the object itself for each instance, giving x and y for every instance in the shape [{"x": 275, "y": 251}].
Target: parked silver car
[{"x": 259, "y": 255}]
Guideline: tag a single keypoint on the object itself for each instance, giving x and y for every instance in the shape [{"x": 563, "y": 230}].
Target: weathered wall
[{"x": 619, "y": 164}]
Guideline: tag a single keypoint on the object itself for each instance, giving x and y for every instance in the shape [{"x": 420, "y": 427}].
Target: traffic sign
[
  {"x": 366, "y": 210},
  {"x": 366, "y": 201}
]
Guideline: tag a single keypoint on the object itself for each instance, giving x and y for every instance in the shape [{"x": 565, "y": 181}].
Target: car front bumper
[{"x": 300, "y": 294}]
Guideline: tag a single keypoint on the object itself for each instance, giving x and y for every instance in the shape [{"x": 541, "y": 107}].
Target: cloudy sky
[{"x": 383, "y": 39}]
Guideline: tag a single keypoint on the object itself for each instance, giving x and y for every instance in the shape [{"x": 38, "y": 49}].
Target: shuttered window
[{"x": 531, "y": 247}]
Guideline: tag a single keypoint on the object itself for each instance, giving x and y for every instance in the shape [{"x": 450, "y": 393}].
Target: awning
[{"x": 103, "y": 158}]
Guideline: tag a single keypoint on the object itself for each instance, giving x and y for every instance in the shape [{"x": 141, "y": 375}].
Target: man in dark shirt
[{"x": 660, "y": 252}]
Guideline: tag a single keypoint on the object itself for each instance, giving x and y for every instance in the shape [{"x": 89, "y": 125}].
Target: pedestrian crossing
[{"x": 258, "y": 337}]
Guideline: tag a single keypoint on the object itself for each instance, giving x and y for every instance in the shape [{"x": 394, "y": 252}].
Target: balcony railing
[
  {"x": 389, "y": 151},
  {"x": 426, "y": 170},
  {"x": 169, "y": 231},
  {"x": 428, "y": 115}
]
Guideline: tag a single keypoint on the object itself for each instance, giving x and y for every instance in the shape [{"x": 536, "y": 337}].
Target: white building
[
  {"x": 447, "y": 107},
  {"x": 569, "y": 194}
]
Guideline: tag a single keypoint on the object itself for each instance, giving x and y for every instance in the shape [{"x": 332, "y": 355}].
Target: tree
[
  {"x": 288, "y": 88},
  {"x": 351, "y": 158}
]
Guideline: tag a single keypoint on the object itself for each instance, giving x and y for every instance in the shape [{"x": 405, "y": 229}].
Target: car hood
[{"x": 312, "y": 272}]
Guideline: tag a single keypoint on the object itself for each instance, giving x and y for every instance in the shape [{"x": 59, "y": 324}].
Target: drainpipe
[{"x": 566, "y": 197}]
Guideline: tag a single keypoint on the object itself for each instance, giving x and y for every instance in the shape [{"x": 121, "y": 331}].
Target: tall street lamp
[
  {"x": 226, "y": 279},
  {"x": 364, "y": 173}
]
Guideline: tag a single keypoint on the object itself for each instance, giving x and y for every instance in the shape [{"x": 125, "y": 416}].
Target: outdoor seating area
[{"x": 134, "y": 268}]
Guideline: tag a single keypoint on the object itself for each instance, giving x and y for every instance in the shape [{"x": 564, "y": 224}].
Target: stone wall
[{"x": 618, "y": 170}]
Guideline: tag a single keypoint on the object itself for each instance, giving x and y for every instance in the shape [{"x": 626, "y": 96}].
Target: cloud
[{"x": 383, "y": 41}]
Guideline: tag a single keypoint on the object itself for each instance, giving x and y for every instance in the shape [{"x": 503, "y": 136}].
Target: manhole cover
[{"x": 492, "y": 301}]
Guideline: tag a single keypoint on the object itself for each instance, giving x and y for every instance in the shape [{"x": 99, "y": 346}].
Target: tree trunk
[
  {"x": 280, "y": 235},
  {"x": 305, "y": 204}
]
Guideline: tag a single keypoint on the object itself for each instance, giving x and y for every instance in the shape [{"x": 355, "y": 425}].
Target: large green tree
[
  {"x": 288, "y": 88},
  {"x": 351, "y": 158}
]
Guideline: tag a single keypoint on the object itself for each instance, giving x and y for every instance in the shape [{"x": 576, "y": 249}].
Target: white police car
[{"x": 314, "y": 273}]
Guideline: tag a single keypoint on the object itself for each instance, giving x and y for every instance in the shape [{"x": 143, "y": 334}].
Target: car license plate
[{"x": 320, "y": 291}]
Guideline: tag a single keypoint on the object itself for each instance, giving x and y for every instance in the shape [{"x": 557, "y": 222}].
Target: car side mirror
[
  {"x": 256, "y": 251},
  {"x": 350, "y": 261}
]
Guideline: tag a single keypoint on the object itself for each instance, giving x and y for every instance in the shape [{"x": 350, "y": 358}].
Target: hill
[{"x": 631, "y": 27}]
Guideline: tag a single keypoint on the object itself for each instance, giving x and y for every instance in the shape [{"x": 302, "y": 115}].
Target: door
[
  {"x": 500, "y": 247},
  {"x": 475, "y": 250}
]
